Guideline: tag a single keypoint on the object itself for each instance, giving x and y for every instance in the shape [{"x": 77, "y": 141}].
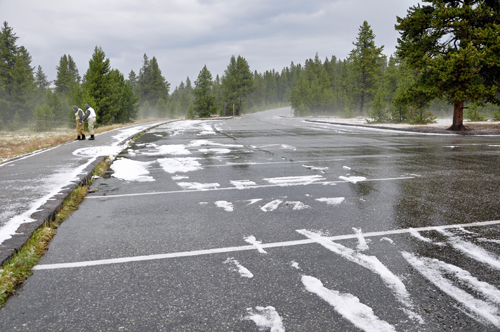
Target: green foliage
[
  {"x": 107, "y": 92},
  {"x": 150, "y": 84},
  {"x": 399, "y": 113},
  {"x": 44, "y": 118},
  {"x": 68, "y": 78},
  {"x": 300, "y": 96},
  {"x": 123, "y": 96},
  {"x": 161, "y": 107},
  {"x": 146, "y": 109},
  {"x": 98, "y": 85},
  {"x": 367, "y": 63},
  {"x": 348, "y": 112},
  {"x": 2, "y": 125},
  {"x": 204, "y": 102},
  {"x": 23, "y": 84},
  {"x": 472, "y": 113},
  {"x": 496, "y": 115},
  {"x": 15, "y": 123},
  {"x": 454, "y": 45},
  {"x": 237, "y": 83},
  {"x": 380, "y": 110},
  {"x": 301, "y": 110},
  {"x": 190, "y": 114}
]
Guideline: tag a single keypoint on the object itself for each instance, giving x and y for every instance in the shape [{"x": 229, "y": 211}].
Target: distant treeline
[{"x": 366, "y": 83}]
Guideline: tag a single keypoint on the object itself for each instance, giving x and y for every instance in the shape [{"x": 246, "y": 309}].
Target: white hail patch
[
  {"x": 295, "y": 180},
  {"x": 243, "y": 271},
  {"x": 242, "y": 184},
  {"x": 253, "y": 201},
  {"x": 371, "y": 263},
  {"x": 227, "y": 206},
  {"x": 171, "y": 149},
  {"x": 386, "y": 239},
  {"x": 198, "y": 186},
  {"x": 362, "y": 246},
  {"x": 314, "y": 168},
  {"x": 271, "y": 206},
  {"x": 331, "y": 200},
  {"x": 179, "y": 165},
  {"x": 98, "y": 151},
  {"x": 215, "y": 150},
  {"x": 472, "y": 250},
  {"x": 179, "y": 177},
  {"x": 435, "y": 271},
  {"x": 298, "y": 205},
  {"x": 257, "y": 244},
  {"x": 352, "y": 179},
  {"x": 131, "y": 170},
  {"x": 265, "y": 318},
  {"x": 348, "y": 306},
  {"x": 204, "y": 142}
]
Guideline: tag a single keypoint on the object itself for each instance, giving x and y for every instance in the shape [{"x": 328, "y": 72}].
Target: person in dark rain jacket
[{"x": 79, "y": 123}]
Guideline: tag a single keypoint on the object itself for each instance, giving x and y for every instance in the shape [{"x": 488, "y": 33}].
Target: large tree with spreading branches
[{"x": 455, "y": 47}]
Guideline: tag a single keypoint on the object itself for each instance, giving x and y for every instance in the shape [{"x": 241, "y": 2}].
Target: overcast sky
[{"x": 184, "y": 35}]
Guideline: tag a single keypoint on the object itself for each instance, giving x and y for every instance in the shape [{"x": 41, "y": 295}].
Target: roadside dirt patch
[{"x": 476, "y": 128}]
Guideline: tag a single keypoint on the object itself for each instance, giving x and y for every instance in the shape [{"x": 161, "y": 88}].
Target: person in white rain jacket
[{"x": 91, "y": 117}]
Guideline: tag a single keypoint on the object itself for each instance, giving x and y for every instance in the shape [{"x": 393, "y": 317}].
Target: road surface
[{"x": 267, "y": 222}]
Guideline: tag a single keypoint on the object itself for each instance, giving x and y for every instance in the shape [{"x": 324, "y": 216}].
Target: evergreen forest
[{"x": 367, "y": 83}]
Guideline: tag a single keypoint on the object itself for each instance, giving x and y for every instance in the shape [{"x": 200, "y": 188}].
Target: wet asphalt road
[{"x": 310, "y": 219}]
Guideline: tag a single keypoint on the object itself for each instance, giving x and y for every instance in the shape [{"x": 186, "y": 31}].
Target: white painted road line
[
  {"x": 251, "y": 247},
  {"x": 244, "y": 188}
]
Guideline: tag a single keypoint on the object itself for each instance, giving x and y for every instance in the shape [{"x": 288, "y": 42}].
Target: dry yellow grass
[{"x": 18, "y": 143}]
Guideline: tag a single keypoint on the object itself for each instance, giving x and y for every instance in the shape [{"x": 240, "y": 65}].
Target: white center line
[
  {"x": 244, "y": 188},
  {"x": 250, "y": 247}
]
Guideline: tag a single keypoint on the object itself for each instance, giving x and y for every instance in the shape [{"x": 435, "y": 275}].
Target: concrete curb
[
  {"x": 48, "y": 211},
  {"x": 409, "y": 130}
]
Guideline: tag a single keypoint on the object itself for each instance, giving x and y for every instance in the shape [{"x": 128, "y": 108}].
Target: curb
[
  {"x": 48, "y": 211},
  {"x": 408, "y": 130}
]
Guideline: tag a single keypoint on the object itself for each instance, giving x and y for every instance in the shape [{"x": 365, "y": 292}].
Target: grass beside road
[
  {"x": 21, "y": 142},
  {"x": 19, "y": 267}
]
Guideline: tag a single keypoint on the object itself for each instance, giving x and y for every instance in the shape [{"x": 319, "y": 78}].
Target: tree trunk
[
  {"x": 362, "y": 91},
  {"x": 458, "y": 117}
]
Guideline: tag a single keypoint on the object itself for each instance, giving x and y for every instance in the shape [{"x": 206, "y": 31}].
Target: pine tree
[
  {"x": 122, "y": 95},
  {"x": 237, "y": 83},
  {"x": 161, "y": 107},
  {"x": 158, "y": 87},
  {"x": 367, "y": 61},
  {"x": 454, "y": 45},
  {"x": 41, "y": 81},
  {"x": 65, "y": 80},
  {"x": 41, "y": 85},
  {"x": 44, "y": 117},
  {"x": 145, "y": 109},
  {"x": 8, "y": 51},
  {"x": 300, "y": 97},
  {"x": 379, "y": 111},
  {"x": 23, "y": 85},
  {"x": 98, "y": 86},
  {"x": 73, "y": 70},
  {"x": 217, "y": 92},
  {"x": 204, "y": 102},
  {"x": 132, "y": 79}
]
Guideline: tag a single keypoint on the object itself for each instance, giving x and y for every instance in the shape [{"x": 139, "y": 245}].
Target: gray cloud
[{"x": 184, "y": 35}]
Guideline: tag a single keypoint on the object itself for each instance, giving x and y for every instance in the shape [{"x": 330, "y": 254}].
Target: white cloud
[{"x": 184, "y": 35}]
